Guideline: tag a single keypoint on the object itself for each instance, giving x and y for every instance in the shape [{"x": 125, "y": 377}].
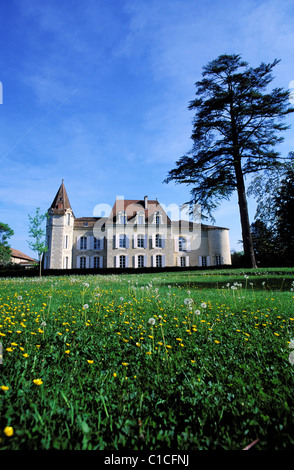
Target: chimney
[{"x": 146, "y": 202}]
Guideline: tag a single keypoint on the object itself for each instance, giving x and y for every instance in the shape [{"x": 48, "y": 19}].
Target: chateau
[{"x": 136, "y": 234}]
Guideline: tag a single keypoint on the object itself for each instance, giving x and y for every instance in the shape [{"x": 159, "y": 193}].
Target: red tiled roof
[
  {"x": 132, "y": 206},
  {"x": 19, "y": 254}
]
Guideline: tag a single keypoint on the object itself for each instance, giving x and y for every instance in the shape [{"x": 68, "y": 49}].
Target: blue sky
[{"x": 96, "y": 92}]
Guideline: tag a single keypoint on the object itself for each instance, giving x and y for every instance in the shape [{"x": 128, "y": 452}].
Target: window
[
  {"x": 65, "y": 262},
  {"x": 140, "y": 218},
  {"x": 218, "y": 260},
  {"x": 183, "y": 261},
  {"x": 122, "y": 218},
  {"x": 68, "y": 219},
  {"x": 122, "y": 261},
  {"x": 122, "y": 241},
  {"x": 85, "y": 224},
  {"x": 97, "y": 244},
  {"x": 158, "y": 241},
  {"x": 83, "y": 243},
  {"x": 66, "y": 242},
  {"x": 158, "y": 261},
  {"x": 82, "y": 262},
  {"x": 96, "y": 262},
  {"x": 182, "y": 244},
  {"x": 157, "y": 218},
  {"x": 204, "y": 260},
  {"x": 140, "y": 241},
  {"x": 140, "y": 261}
]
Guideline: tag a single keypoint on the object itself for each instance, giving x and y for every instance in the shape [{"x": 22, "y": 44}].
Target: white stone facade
[{"x": 137, "y": 234}]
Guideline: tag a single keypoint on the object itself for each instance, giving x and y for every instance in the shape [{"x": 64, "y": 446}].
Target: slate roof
[{"x": 61, "y": 201}]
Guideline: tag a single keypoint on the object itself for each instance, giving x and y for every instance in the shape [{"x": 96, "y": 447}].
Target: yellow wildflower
[
  {"x": 37, "y": 381},
  {"x": 4, "y": 387},
  {"x": 8, "y": 431}
]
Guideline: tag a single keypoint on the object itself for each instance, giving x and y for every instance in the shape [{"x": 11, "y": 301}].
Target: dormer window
[
  {"x": 85, "y": 224},
  {"x": 158, "y": 218},
  {"x": 122, "y": 218},
  {"x": 140, "y": 218}
]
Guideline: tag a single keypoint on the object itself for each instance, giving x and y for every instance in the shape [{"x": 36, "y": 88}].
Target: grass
[{"x": 179, "y": 360}]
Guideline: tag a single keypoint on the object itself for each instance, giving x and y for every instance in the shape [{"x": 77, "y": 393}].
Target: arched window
[
  {"x": 96, "y": 262},
  {"x": 140, "y": 261},
  {"x": 83, "y": 262},
  {"x": 158, "y": 261}
]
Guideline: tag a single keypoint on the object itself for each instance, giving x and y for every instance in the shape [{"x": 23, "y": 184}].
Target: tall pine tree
[{"x": 236, "y": 128}]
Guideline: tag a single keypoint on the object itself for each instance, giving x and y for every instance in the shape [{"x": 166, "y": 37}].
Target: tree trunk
[{"x": 244, "y": 216}]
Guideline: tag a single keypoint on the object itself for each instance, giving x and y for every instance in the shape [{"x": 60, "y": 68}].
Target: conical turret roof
[{"x": 61, "y": 202}]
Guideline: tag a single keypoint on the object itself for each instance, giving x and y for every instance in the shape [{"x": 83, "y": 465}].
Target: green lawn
[{"x": 179, "y": 360}]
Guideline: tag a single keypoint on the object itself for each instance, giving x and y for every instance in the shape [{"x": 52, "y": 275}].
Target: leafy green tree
[
  {"x": 5, "y": 251},
  {"x": 284, "y": 215},
  {"x": 37, "y": 233},
  {"x": 235, "y": 130},
  {"x": 274, "y": 192},
  {"x": 264, "y": 242}
]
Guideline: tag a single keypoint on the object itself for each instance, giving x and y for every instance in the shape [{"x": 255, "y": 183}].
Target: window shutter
[
  {"x": 200, "y": 261},
  {"x": 188, "y": 244},
  {"x": 145, "y": 261},
  {"x": 176, "y": 244},
  {"x": 92, "y": 262},
  {"x": 100, "y": 261},
  {"x": 163, "y": 260},
  {"x": 87, "y": 261},
  {"x": 78, "y": 243},
  {"x": 116, "y": 261},
  {"x": 101, "y": 243},
  {"x": 153, "y": 240},
  {"x": 153, "y": 261},
  {"x": 127, "y": 261},
  {"x": 127, "y": 241},
  {"x": 135, "y": 243},
  {"x": 145, "y": 240},
  {"x": 187, "y": 260},
  {"x": 135, "y": 258},
  {"x": 162, "y": 242},
  {"x": 208, "y": 260},
  {"x": 116, "y": 241},
  {"x": 178, "y": 261}
]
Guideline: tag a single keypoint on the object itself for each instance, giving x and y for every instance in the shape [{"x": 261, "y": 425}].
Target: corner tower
[{"x": 59, "y": 232}]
